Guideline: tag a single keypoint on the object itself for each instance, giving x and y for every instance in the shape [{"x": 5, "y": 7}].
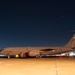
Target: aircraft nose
[{"x": 1, "y": 51}]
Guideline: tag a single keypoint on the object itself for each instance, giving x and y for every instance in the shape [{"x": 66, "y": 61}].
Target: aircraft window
[{"x": 8, "y": 51}]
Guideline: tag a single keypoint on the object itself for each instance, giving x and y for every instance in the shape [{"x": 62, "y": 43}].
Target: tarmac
[{"x": 37, "y": 66}]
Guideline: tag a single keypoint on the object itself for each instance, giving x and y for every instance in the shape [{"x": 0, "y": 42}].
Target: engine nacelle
[{"x": 32, "y": 53}]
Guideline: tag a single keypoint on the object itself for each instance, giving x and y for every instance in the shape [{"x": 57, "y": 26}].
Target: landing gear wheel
[
  {"x": 8, "y": 56},
  {"x": 37, "y": 56}
]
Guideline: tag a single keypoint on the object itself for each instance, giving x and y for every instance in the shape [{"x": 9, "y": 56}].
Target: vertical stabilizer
[{"x": 71, "y": 43}]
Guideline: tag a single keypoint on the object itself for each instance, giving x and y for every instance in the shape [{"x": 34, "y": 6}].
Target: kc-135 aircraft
[{"x": 38, "y": 51}]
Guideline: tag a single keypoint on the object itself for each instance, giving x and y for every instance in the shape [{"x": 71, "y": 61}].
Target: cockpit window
[{"x": 1, "y": 50}]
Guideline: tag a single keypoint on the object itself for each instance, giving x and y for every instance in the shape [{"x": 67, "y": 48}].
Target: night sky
[{"x": 36, "y": 22}]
